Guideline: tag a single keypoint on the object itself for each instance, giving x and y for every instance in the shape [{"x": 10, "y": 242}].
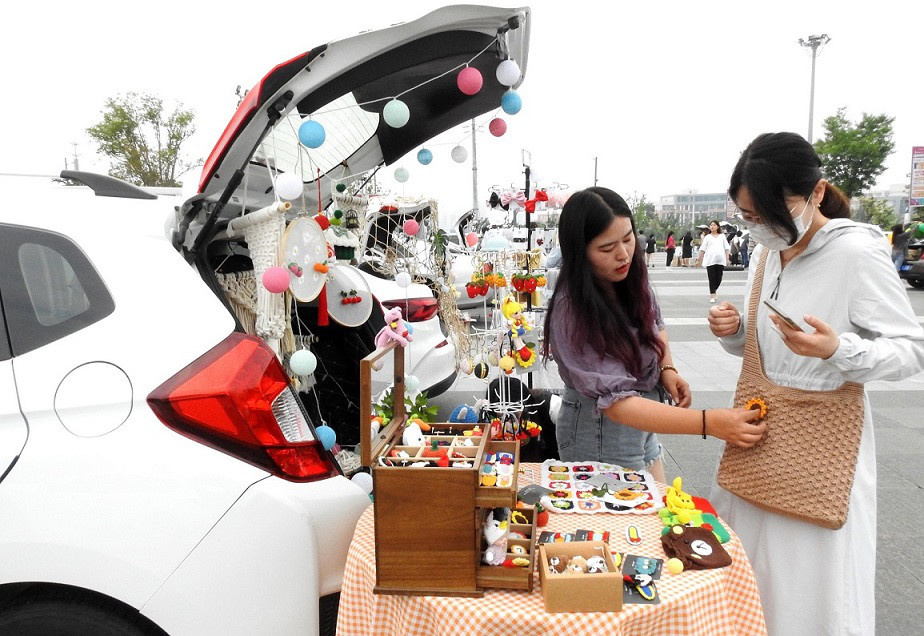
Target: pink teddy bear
[{"x": 394, "y": 330}]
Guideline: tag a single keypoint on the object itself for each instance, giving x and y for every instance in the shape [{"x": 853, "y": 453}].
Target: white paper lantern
[
  {"x": 508, "y": 72},
  {"x": 403, "y": 279},
  {"x": 396, "y": 113},
  {"x": 459, "y": 154},
  {"x": 402, "y": 175},
  {"x": 411, "y": 383},
  {"x": 288, "y": 186},
  {"x": 364, "y": 481}
]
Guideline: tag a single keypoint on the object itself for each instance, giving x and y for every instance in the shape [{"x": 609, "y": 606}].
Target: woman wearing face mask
[
  {"x": 837, "y": 276},
  {"x": 605, "y": 331},
  {"x": 714, "y": 255}
]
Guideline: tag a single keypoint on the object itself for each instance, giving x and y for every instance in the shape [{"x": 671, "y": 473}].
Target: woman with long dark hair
[
  {"x": 670, "y": 246},
  {"x": 604, "y": 330},
  {"x": 857, "y": 325}
]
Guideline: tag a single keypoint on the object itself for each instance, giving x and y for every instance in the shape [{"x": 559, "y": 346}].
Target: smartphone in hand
[{"x": 779, "y": 312}]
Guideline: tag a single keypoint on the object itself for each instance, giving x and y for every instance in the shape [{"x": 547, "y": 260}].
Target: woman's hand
[
  {"x": 677, "y": 387},
  {"x": 735, "y": 426},
  {"x": 820, "y": 344},
  {"x": 724, "y": 320}
]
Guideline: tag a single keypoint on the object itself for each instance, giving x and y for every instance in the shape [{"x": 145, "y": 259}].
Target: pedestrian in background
[
  {"x": 900, "y": 240},
  {"x": 670, "y": 246},
  {"x": 686, "y": 249},
  {"x": 650, "y": 250},
  {"x": 743, "y": 248},
  {"x": 714, "y": 255},
  {"x": 861, "y": 327}
]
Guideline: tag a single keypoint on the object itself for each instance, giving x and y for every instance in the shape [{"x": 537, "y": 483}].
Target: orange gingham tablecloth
[{"x": 721, "y": 601}]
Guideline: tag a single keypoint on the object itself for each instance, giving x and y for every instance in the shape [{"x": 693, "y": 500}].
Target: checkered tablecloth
[{"x": 721, "y": 601}]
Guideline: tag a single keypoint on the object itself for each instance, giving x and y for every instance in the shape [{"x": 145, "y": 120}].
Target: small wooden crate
[{"x": 428, "y": 520}]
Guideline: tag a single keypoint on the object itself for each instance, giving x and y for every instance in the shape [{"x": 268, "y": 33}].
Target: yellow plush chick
[{"x": 679, "y": 502}]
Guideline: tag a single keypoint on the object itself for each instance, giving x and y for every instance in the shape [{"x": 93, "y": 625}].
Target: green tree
[
  {"x": 644, "y": 212},
  {"x": 142, "y": 141},
  {"x": 878, "y": 212},
  {"x": 854, "y": 155}
]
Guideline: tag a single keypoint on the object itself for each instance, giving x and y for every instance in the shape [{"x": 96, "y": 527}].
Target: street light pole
[{"x": 814, "y": 42}]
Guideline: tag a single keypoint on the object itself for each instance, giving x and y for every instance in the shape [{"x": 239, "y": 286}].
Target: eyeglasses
[{"x": 746, "y": 216}]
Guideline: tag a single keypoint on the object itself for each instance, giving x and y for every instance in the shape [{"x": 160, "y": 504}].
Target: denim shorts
[{"x": 585, "y": 435}]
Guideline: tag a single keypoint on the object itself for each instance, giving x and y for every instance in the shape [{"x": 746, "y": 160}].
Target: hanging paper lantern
[
  {"x": 396, "y": 113},
  {"x": 411, "y": 383},
  {"x": 480, "y": 370},
  {"x": 508, "y": 72},
  {"x": 497, "y": 127},
  {"x": 402, "y": 175},
  {"x": 469, "y": 80},
  {"x": 311, "y": 134},
  {"x": 276, "y": 280},
  {"x": 411, "y": 227},
  {"x": 403, "y": 279},
  {"x": 364, "y": 481},
  {"x": 326, "y": 436},
  {"x": 459, "y": 154},
  {"x": 424, "y": 156},
  {"x": 511, "y": 102},
  {"x": 288, "y": 186},
  {"x": 303, "y": 362},
  {"x": 471, "y": 239}
]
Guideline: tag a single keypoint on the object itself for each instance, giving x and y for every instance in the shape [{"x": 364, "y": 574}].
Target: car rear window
[{"x": 51, "y": 289}]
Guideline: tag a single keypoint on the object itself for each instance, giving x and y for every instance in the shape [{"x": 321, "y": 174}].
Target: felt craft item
[
  {"x": 696, "y": 548},
  {"x": 805, "y": 428}
]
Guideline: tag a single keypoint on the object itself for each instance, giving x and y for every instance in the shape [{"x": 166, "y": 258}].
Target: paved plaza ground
[{"x": 712, "y": 374}]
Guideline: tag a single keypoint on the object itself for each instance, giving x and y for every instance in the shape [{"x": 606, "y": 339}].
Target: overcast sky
[{"x": 666, "y": 94}]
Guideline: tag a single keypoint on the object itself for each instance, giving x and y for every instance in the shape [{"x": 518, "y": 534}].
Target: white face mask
[{"x": 765, "y": 235}]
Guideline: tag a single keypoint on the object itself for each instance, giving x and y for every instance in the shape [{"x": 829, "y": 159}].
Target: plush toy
[
  {"x": 495, "y": 528},
  {"x": 697, "y": 548},
  {"x": 394, "y": 330},
  {"x": 517, "y": 328},
  {"x": 678, "y": 502}
]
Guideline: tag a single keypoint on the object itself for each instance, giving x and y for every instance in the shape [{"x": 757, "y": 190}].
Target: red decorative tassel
[{"x": 323, "y": 319}]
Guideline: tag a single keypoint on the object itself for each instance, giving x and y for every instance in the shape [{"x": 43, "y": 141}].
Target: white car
[{"x": 158, "y": 473}]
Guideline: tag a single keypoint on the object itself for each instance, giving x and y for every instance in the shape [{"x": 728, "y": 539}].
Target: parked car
[
  {"x": 912, "y": 269},
  {"x": 158, "y": 472}
]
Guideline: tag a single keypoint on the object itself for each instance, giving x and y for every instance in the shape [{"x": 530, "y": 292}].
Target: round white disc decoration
[
  {"x": 347, "y": 279},
  {"x": 304, "y": 246}
]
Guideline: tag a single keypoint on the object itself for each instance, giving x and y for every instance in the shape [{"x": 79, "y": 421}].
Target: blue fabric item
[{"x": 464, "y": 414}]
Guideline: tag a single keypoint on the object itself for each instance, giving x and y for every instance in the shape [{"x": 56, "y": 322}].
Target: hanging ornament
[
  {"x": 424, "y": 156},
  {"x": 403, "y": 279},
  {"x": 288, "y": 186},
  {"x": 459, "y": 154},
  {"x": 364, "y": 481},
  {"x": 326, "y": 436},
  {"x": 508, "y": 72},
  {"x": 466, "y": 366},
  {"x": 402, "y": 175},
  {"x": 341, "y": 187},
  {"x": 497, "y": 127},
  {"x": 511, "y": 102},
  {"x": 469, "y": 80},
  {"x": 493, "y": 359},
  {"x": 322, "y": 221},
  {"x": 411, "y": 383},
  {"x": 276, "y": 280},
  {"x": 480, "y": 370},
  {"x": 471, "y": 239},
  {"x": 303, "y": 362},
  {"x": 506, "y": 364},
  {"x": 411, "y": 227},
  {"x": 311, "y": 134},
  {"x": 396, "y": 113}
]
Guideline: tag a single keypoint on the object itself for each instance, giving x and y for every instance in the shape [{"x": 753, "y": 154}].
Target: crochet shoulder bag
[{"x": 804, "y": 466}]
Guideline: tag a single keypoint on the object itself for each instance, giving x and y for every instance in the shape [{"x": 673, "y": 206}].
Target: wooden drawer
[
  {"x": 514, "y": 578},
  {"x": 498, "y": 496}
]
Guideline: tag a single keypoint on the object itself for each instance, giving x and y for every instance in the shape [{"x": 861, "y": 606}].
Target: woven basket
[{"x": 804, "y": 466}]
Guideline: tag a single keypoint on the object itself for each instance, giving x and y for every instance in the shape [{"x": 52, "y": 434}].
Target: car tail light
[
  {"x": 414, "y": 309},
  {"x": 236, "y": 398}
]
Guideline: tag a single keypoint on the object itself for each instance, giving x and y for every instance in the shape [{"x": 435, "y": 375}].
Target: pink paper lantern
[
  {"x": 471, "y": 239},
  {"x": 469, "y": 80},
  {"x": 497, "y": 126},
  {"x": 276, "y": 280},
  {"x": 411, "y": 227}
]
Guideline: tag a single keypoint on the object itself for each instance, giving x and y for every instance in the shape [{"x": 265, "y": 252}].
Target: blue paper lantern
[
  {"x": 311, "y": 134},
  {"x": 424, "y": 156},
  {"x": 326, "y": 436},
  {"x": 396, "y": 113},
  {"x": 511, "y": 102}
]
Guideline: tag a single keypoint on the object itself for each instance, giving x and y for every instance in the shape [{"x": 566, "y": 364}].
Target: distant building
[
  {"x": 716, "y": 205},
  {"x": 896, "y": 195}
]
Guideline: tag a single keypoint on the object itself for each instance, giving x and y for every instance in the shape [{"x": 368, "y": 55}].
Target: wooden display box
[
  {"x": 577, "y": 592},
  {"x": 428, "y": 520},
  {"x": 516, "y": 578}
]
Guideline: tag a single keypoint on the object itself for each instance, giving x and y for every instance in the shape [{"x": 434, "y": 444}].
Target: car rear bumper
[{"x": 265, "y": 563}]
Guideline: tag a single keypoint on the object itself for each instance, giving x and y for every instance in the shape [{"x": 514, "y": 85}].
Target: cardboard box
[{"x": 574, "y": 592}]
